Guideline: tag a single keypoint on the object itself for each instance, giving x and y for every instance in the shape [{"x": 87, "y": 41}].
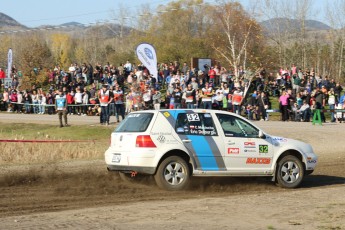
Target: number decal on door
[{"x": 263, "y": 148}]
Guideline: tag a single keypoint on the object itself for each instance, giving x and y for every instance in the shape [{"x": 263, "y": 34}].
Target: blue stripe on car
[{"x": 203, "y": 153}]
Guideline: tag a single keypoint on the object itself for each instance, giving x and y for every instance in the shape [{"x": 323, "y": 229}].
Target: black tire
[
  {"x": 290, "y": 172},
  {"x": 172, "y": 174},
  {"x": 307, "y": 173}
]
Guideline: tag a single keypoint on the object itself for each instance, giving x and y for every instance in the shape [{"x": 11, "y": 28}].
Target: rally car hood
[{"x": 286, "y": 142}]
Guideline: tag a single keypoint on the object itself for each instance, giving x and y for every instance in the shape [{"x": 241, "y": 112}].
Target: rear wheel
[
  {"x": 290, "y": 172},
  {"x": 173, "y": 174}
]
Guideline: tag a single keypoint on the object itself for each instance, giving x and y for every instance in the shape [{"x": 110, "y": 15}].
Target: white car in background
[{"x": 174, "y": 145}]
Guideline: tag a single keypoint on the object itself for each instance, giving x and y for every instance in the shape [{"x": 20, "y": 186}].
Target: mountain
[
  {"x": 6, "y": 21},
  {"x": 272, "y": 25},
  {"x": 76, "y": 24},
  {"x": 109, "y": 30},
  {"x": 103, "y": 30}
]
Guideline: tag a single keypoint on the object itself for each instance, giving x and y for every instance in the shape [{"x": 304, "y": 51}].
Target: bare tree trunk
[
  {"x": 318, "y": 60},
  {"x": 280, "y": 53},
  {"x": 341, "y": 59},
  {"x": 245, "y": 59}
]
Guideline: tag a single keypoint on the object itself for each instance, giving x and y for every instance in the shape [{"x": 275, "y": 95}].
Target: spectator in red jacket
[
  {"x": 2, "y": 76},
  {"x": 212, "y": 75},
  {"x": 70, "y": 101}
]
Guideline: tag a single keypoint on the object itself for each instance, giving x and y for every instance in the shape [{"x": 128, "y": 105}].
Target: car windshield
[{"x": 135, "y": 122}]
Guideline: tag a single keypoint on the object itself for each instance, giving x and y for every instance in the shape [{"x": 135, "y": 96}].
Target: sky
[{"x": 33, "y": 13}]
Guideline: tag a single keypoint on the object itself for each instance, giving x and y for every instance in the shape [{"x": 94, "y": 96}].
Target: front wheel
[
  {"x": 290, "y": 172},
  {"x": 173, "y": 174}
]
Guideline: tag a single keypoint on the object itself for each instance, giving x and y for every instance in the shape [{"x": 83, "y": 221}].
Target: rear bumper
[{"x": 122, "y": 168}]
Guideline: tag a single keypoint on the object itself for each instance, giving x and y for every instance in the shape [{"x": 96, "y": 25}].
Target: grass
[
  {"x": 24, "y": 153},
  {"x": 39, "y": 131}
]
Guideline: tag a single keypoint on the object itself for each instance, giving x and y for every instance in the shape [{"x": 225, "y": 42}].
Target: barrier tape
[
  {"x": 272, "y": 110},
  {"x": 332, "y": 110},
  {"x": 321, "y": 110},
  {"x": 47, "y": 141}
]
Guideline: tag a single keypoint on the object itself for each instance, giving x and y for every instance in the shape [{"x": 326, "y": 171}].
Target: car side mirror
[{"x": 261, "y": 134}]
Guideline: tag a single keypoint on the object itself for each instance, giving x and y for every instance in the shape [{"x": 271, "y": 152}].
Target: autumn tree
[
  {"x": 177, "y": 31},
  {"x": 35, "y": 56},
  {"x": 234, "y": 35},
  {"x": 61, "y": 49}
]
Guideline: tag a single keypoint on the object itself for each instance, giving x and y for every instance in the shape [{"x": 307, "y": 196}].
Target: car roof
[
  {"x": 198, "y": 111},
  {"x": 185, "y": 110}
]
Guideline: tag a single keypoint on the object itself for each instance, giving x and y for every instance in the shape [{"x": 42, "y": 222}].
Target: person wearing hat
[
  {"x": 105, "y": 98},
  {"x": 61, "y": 107}
]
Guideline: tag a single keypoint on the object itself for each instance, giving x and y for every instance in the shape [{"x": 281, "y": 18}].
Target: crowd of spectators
[
  {"x": 301, "y": 92},
  {"x": 131, "y": 87}
]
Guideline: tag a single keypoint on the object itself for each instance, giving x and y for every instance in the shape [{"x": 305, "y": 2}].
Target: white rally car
[{"x": 174, "y": 145}]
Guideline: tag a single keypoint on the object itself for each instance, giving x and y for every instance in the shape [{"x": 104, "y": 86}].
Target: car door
[
  {"x": 199, "y": 135},
  {"x": 244, "y": 151}
]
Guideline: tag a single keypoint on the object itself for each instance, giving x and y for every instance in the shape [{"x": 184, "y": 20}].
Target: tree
[
  {"x": 4, "y": 46},
  {"x": 34, "y": 57},
  {"x": 61, "y": 48},
  {"x": 335, "y": 13},
  {"x": 235, "y": 34},
  {"x": 178, "y": 32}
]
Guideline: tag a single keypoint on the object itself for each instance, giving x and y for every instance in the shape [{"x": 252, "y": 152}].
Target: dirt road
[{"x": 82, "y": 195}]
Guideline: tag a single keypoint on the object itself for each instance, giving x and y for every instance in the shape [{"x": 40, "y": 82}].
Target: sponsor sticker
[
  {"x": 312, "y": 161},
  {"x": 249, "y": 150},
  {"x": 233, "y": 150},
  {"x": 249, "y": 144},
  {"x": 280, "y": 139},
  {"x": 258, "y": 160},
  {"x": 166, "y": 114},
  {"x": 263, "y": 148}
]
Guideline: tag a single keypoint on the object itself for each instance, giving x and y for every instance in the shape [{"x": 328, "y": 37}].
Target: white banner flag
[
  {"x": 147, "y": 55},
  {"x": 9, "y": 63}
]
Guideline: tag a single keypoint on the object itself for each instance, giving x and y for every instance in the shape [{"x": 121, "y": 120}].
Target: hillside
[
  {"x": 105, "y": 30},
  {"x": 283, "y": 24},
  {"x": 7, "y": 22}
]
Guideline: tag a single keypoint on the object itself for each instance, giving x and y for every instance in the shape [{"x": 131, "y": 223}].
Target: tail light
[{"x": 144, "y": 141}]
